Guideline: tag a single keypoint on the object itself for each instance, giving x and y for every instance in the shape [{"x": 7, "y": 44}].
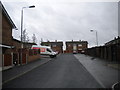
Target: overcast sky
[{"x": 65, "y": 20}]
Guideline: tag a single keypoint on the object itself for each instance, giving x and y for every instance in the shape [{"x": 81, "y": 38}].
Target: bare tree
[
  {"x": 25, "y": 37},
  {"x": 41, "y": 40},
  {"x": 34, "y": 39}
]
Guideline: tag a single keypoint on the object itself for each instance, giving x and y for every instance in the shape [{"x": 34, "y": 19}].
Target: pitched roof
[
  {"x": 7, "y": 16},
  {"x": 24, "y": 42},
  {"x": 53, "y": 43},
  {"x": 76, "y": 42}
]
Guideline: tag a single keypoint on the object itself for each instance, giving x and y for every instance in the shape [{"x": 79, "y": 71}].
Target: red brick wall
[
  {"x": 34, "y": 57},
  {"x": 16, "y": 44},
  {"x": 6, "y": 31},
  {"x": 0, "y": 26},
  {"x": 69, "y": 47},
  {"x": 57, "y": 48}
]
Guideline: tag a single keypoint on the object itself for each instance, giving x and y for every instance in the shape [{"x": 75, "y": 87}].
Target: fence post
[
  {"x": 3, "y": 61},
  {"x": 12, "y": 58},
  {"x": 18, "y": 59},
  {"x": 21, "y": 59},
  {"x": 26, "y": 59}
]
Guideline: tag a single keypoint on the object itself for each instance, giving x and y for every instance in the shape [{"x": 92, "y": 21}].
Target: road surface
[{"x": 64, "y": 71}]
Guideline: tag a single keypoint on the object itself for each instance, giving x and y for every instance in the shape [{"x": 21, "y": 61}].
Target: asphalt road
[{"x": 64, "y": 71}]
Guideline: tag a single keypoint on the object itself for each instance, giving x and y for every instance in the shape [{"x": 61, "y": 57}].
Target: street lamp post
[
  {"x": 22, "y": 29},
  {"x": 96, "y": 36}
]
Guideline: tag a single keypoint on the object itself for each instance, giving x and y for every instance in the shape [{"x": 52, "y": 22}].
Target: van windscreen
[{"x": 49, "y": 50}]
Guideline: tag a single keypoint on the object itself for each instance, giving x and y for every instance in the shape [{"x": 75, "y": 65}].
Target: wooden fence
[{"x": 110, "y": 52}]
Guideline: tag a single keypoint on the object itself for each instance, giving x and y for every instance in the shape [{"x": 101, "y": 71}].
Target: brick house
[
  {"x": 8, "y": 42},
  {"x": 11, "y": 51},
  {"x": 80, "y": 45},
  {"x": 7, "y": 27},
  {"x": 6, "y": 38},
  {"x": 56, "y": 46}
]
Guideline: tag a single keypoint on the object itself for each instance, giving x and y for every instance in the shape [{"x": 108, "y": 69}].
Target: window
[
  {"x": 69, "y": 45},
  {"x": 79, "y": 49},
  {"x": 79, "y": 45},
  {"x": 48, "y": 50},
  {"x": 54, "y": 45}
]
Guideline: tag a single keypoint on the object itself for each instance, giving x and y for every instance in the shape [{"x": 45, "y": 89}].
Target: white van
[{"x": 45, "y": 50}]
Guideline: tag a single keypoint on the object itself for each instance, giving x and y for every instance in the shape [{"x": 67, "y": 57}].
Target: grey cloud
[{"x": 68, "y": 21}]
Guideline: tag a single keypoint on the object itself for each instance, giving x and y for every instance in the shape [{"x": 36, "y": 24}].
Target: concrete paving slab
[{"x": 99, "y": 68}]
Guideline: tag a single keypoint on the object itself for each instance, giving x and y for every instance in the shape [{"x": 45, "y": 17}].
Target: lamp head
[
  {"x": 91, "y": 30},
  {"x": 32, "y": 6}
]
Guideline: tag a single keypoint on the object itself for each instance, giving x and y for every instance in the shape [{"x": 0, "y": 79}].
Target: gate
[
  {"x": 22, "y": 54},
  {"x": 23, "y": 58},
  {"x": 7, "y": 60}
]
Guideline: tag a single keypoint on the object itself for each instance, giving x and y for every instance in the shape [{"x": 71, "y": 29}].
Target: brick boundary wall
[{"x": 13, "y": 58}]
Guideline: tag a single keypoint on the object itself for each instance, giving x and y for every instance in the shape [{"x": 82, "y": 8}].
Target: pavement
[
  {"x": 17, "y": 71},
  {"x": 64, "y": 71},
  {"x": 0, "y": 68},
  {"x": 0, "y": 80},
  {"x": 105, "y": 72}
]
